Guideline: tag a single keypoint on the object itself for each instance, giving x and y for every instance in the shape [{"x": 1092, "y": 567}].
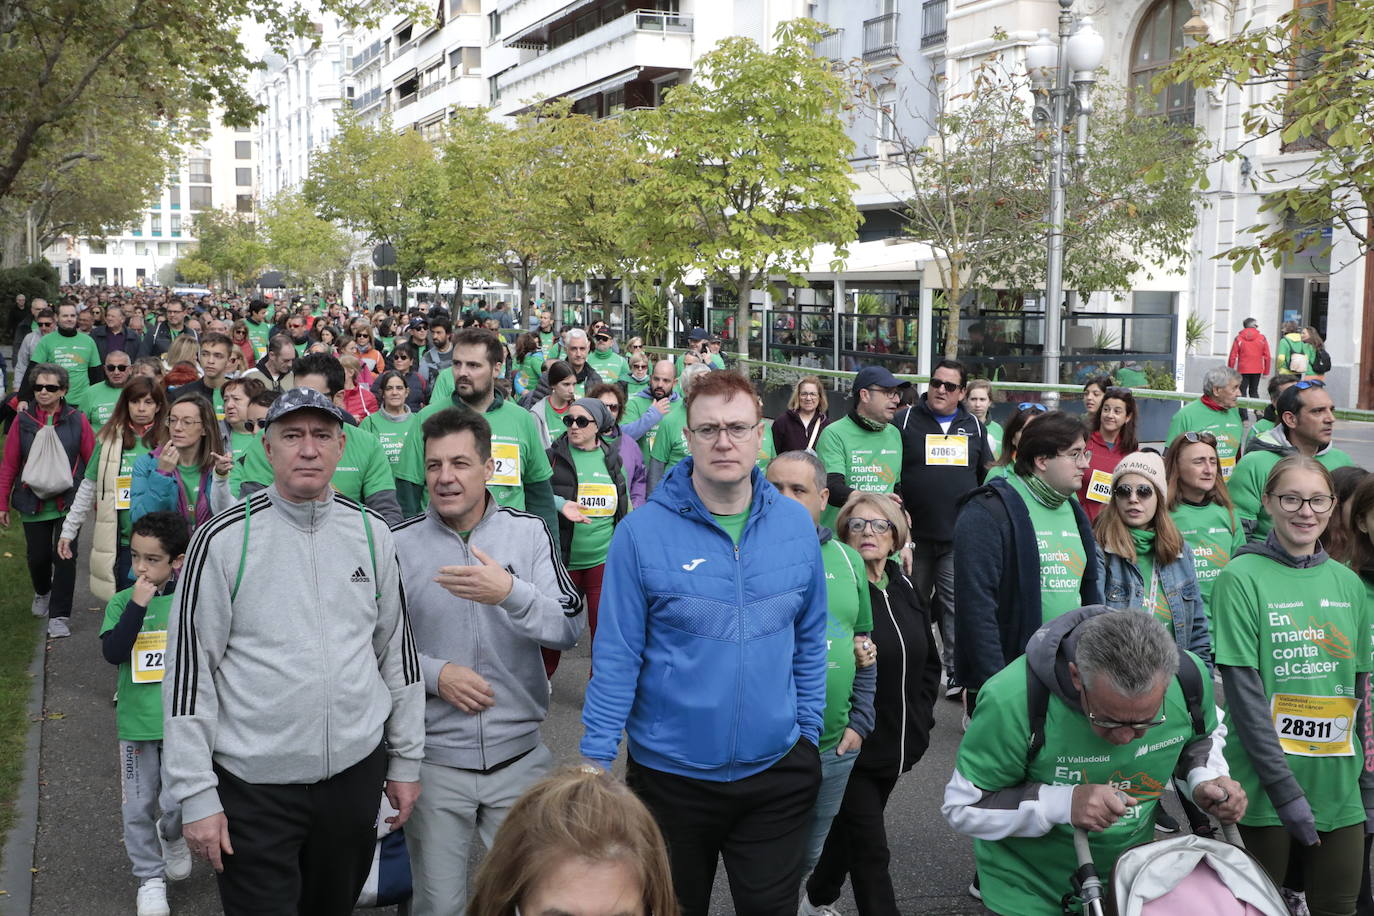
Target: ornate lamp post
[{"x": 1062, "y": 78}]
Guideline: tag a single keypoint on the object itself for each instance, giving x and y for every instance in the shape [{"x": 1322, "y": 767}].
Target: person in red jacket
[{"x": 1249, "y": 357}]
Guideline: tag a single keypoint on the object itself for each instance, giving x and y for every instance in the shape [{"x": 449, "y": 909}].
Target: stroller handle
[{"x": 1092, "y": 893}]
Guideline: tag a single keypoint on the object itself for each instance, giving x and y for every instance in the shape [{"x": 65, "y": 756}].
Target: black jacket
[
  {"x": 565, "y": 485},
  {"x": 133, "y": 345},
  {"x": 588, "y": 378},
  {"x": 931, "y": 493},
  {"x": 908, "y": 677},
  {"x": 158, "y": 340},
  {"x": 790, "y": 434},
  {"x": 415, "y": 397}
]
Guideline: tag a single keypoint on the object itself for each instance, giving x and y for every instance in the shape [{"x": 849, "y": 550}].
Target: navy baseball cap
[
  {"x": 698, "y": 334},
  {"x": 302, "y": 399},
  {"x": 877, "y": 377}
]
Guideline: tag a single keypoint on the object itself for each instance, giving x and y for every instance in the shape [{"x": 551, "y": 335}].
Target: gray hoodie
[
  {"x": 307, "y": 669},
  {"x": 500, "y": 642}
]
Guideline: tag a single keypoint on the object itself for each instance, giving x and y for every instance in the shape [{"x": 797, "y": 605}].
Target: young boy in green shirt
[{"x": 134, "y": 637}]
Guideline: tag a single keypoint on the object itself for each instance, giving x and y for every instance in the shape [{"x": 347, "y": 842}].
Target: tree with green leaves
[
  {"x": 230, "y": 244},
  {"x": 1306, "y": 81},
  {"x": 747, "y": 167},
  {"x": 309, "y": 251},
  {"x": 972, "y": 180}
]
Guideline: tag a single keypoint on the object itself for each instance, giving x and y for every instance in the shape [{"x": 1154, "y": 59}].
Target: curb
[{"x": 16, "y": 857}]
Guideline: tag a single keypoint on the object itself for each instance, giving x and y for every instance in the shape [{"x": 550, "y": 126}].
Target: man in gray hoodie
[
  {"x": 292, "y": 690},
  {"x": 487, "y": 590}
]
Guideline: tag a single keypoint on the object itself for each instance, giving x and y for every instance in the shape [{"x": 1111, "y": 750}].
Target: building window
[
  {"x": 615, "y": 101},
  {"x": 142, "y": 249},
  {"x": 243, "y": 130},
  {"x": 200, "y": 171},
  {"x": 243, "y": 203},
  {"x": 200, "y": 198},
  {"x": 156, "y": 228},
  {"x": 176, "y": 225},
  {"x": 464, "y": 61},
  {"x": 494, "y": 24},
  {"x": 243, "y": 149},
  {"x": 243, "y": 177},
  {"x": 465, "y": 7},
  {"x": 174, "y": 197},
  {"x": 1158, "y": 42},
  {"x": 164, "y": 249}
]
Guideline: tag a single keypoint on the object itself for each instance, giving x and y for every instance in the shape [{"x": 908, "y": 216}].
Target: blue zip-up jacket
[
  {"x": 710, "y": 658},
  {"x": 1125, "y": 588}
]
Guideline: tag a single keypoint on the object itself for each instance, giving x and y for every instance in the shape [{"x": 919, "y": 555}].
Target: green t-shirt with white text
[
  {"x": 1226, "y": 425},
  {"x": 99, "y": 404},
  {"x": 138, "y": 710},
  {"x": 77, "y": 354},
  {"x": 1063, "y": 558},
  {"x": 849, "y": 610},
  {"x": 391, "y": 433},
  {"x": 1213, "y": 536},
  {"x": 868, "y": 460}
]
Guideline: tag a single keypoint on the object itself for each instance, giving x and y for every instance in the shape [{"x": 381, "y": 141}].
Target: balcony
[
  {"x": 367, "y": 99},
  {"x": 619, "y": 50},
  {"x": 880, "y": 38},
  {"x": 405, "y": 100},
  {"x": 828, "y": 47},
  {"x": 933, "y": 23},
  {"x": 432, "y": 87},
  {"x": 372, "y": 52}
]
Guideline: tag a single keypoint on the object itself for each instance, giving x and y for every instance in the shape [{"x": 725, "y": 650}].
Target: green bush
[{"x": 39, "y": 279}]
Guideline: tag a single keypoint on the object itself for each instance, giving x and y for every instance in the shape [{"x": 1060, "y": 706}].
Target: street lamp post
[{"x": 1062, "y": 77}]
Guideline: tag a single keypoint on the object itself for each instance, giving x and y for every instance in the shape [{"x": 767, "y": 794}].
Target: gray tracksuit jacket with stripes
[
  {"x": 290, "y": 656},
  {"x": 500, "y": 642}
]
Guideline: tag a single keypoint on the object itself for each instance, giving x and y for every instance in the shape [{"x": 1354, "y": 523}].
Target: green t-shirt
[
  {"x": 635, "y": 407},
  {"x": 766, "y": 450},
  {"x": 1288, "y": 345},
  {"x": 76, "y": 354},
  {"x": 1252, "y": 472},
  {"x": 733, "y": 524},
  {"x": 442, "y": 391},
  {"x": 1062, "y": 555},
  {"x": 362, "y": 471},
  {"x": 259, "y": 333},
  {"x": 1226, "y": 425},
  {"x": 190, "y": 486},
  {"x": 634, "y": 387},
  {"x": 1027, "y": 876},
  {"x": 1154, "y": 599},
  {"x": 553, "y": 418},
  {"x": 868, "y": 460},
  {"x": 668, "y": 440},
  {"x": 548, "y": 340},
  {"x": 530, "y": 369},
  {"x": 515, "y": 447},
  {"x": 239, "y": 445},
  {"x": 1307, "y": 633},
  {"x": 138, "y": 713},
  {"x": 994, "y": 431},
  {"x": 849, "y": 610},
  {"x": 996, "y": 471},
  {"x": 597, "y": 498},
  {"x": 611, "y": 366},
  {"x": 124, "y": 486},
  {"x": 1213, "y": 536},
  {"x": 1261, "y": 427},
  {"x": 99, "y": 404},
  {"x": 391, "y": 432}
]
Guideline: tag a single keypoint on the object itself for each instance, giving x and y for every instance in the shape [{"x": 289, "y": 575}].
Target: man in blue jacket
[{"x": 711, "y": 657}]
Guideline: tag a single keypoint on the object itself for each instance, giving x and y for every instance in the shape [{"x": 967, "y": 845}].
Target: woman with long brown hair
[
  {"x": 1201, "y": 507},
  {"x": 189, "y": 472},
  {"x": 1112, "y": 435},
  {"x": 136, "y": 427}
]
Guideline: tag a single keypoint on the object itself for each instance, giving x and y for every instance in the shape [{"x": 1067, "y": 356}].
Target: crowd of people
[{"x": 773, "y": 609}]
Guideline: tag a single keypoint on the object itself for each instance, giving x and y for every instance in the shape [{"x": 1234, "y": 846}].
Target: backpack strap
[
  {"x": 1037, "y": 707},
  {"x": 1190, "y": 680}
]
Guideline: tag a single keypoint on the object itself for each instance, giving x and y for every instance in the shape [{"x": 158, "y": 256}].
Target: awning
[
  {"x": 538, "y": 27},
  {"x": 405, "y": 77}
]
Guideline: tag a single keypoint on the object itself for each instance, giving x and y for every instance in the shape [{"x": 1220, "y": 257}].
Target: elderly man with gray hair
[
  {"x": 576, "y": 346},
  {"x": 1083, "y": 731},
  {"x": 1215, "y": 412}
]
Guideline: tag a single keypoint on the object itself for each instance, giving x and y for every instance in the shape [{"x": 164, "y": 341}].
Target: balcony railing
[
  {"x": 366, "y": 56},
  {"x": 933, "y": 22},
  {"x": 880, "y": 37},
  {"x": 651, "y": 21},
  {"x": 367, "y": 99},
  {"x": 432, "y": 88},
  {"x": 828, "y": 46},
  {"x": 405, "y": 100},
  {"x": 655, "y": 21}
]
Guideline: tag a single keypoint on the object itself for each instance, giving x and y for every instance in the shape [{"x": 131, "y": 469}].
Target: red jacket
[
  {"x": 1103, "y": 463},
  {"x": 1250, "y": 353}
]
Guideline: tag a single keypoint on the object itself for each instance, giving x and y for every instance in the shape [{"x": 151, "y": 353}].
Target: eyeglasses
[
  {"x": 711, "y": 432},
  {"x": 1112, "y": 724},
  {"x": 1077, "y": 455},
  {"x": 877, "y": 525},
  {"x": 944, "y": 385},
  {"x": 1032, "y": 405},
  {"x": 53, "y": 388},
  {"x": 1292, "y": 502},
  {"x": 893, "y": 393},
  {"x": 1309, "y": 383},
  {"x": 579, "y": 422},
  {"x": 1195, "y": 437},
  {"x": 1143, "y": 491},
  {"x": 183, "y": 422}
]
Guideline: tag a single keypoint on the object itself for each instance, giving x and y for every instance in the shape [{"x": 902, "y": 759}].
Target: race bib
[
  {"x": 596, "y": 500},
  {"x": 948, "y": 451},
  {"x": 1100, "y": 487},
  {"x": 124, "y": 485},
  {"x": 1315, "y": 726},
  {"x": 1228, "y": 464},
  {"x": 149, "y": 657},
  {"x": 506, "y": 457}
]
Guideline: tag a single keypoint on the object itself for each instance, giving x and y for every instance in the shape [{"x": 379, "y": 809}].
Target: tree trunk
[
  {"x": 952, "y": 316},
  {"x": 744, "y": 288}
]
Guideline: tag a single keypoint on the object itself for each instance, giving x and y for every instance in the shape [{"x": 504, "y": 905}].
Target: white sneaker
[
  {"x": 59, "y": 627},
  {"x": 176, "y": 858},
  {"x": 152, "y": 898},
  {"x": 39, "y": 608},
  {"x": 807, "y": 908}
]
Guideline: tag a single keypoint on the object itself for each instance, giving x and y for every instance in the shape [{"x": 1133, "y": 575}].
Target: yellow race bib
[
  {"x": 1228, "y": 464},
  {"x": 506, "y": 456},
  {"x": 149, "y": 657},
  {"x": 596, "y": 500},
  {"x": 124, "y": 485},
  {"x": 1315, "y": 726},
  {"x": 947, "y": 451},
  {"x": 1100, "y": 487}
]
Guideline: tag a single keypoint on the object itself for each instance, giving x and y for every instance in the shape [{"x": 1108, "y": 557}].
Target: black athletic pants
[
  {"x": 51, "y": 575},
  {"x": 300, "y": 850},
  {"x": 1249, "y": 388},
  {"x": 856, "y": 847},
  {"x": 759, "y": 824}
]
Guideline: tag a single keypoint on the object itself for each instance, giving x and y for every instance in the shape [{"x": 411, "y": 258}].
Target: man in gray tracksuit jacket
[
  {"x": 479, "y": 653},
  {"x": 292, "y": 690}
]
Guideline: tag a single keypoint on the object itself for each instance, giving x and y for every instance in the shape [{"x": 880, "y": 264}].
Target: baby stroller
[{"x": 1182, "y": 875}]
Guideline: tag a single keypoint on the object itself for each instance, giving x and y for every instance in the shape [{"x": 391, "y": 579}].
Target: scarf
[
  {"x": 1144, "y": 540},
  {"x": 1044, "y": 494},
  {"x": 1207, "y": 401},
  {"x": 865, "y": 423}
]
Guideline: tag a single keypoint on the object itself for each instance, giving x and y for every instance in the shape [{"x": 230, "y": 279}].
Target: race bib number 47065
[{"x": 949, "y": 451}]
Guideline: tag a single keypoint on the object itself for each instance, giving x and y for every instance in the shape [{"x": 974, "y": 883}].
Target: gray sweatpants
[
  {"x": 454, "y": 805},
  {"x": 143, "y": 797}
]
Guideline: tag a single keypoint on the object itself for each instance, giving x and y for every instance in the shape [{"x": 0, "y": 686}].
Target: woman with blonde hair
[
  {"x": 800, "y": 426},
  {"x": 185, "y": 349},
  {"x": 578, "y": 841}
]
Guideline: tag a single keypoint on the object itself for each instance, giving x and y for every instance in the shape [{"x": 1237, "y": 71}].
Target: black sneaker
[{"x": 1164, "y": 821}]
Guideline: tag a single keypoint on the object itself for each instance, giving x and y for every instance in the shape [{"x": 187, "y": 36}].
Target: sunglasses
[
  {"x": 1143, "y": 491},
  {"x": 116, "y": 367},
  {"x": 251, "y": 425},
  {"x": 944, "y": 385},
  {"x": 579, "y": 422},
  {"x": 1195, "y": 437},
  {"x": 37, "y": 387},
  {"x": 1032, "y": 405},
  {"x": 1309, "y": 383}
]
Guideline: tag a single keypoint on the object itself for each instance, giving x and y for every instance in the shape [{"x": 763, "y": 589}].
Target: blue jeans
[{"x": 834, "y": 777}]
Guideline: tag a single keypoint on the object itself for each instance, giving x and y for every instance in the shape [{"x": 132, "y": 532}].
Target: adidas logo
[{"x": 359, "y": 576}]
